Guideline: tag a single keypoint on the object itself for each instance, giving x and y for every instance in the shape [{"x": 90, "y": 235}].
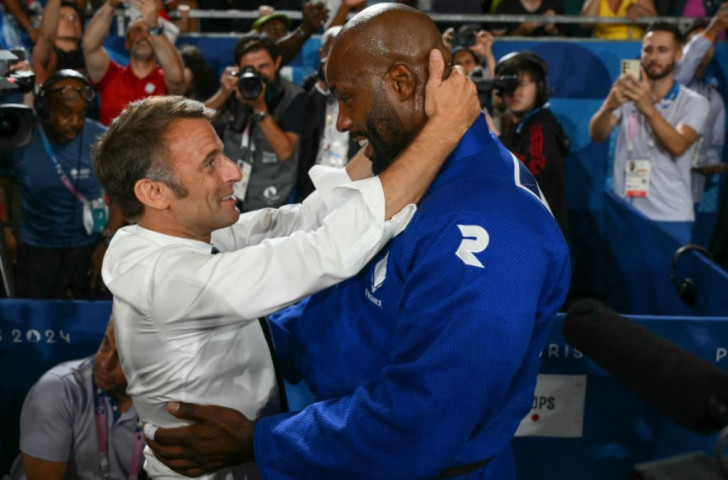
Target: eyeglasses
[
  {"x": 70, "y": 17},
  {"x": 69, "y": 93}
]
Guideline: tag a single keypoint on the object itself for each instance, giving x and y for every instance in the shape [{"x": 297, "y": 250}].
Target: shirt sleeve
[
  {"x": 696, "y": 113},
  {"x": 46, "y": 421},
  {"x": 261, "y": 279},
  {"x": 693, "y": 54},
  {"x": 456, "y": 356}
]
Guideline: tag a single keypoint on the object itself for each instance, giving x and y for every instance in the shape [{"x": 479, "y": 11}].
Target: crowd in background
[{"x": 281, "y": 132}]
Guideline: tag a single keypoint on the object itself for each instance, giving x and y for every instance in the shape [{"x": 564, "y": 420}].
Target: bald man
[{"x": 422, "y": 365}]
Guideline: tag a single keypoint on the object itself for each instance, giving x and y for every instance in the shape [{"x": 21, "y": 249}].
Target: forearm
[
  {"x": 281, "y": 142},
  {"x": 171, "y": 63},
  {"x": 666, "y": 135},
  {"x": 217, "y": 101},
  {"x": 601, "y": 124},
  {"x": 408, "y": 178},
  {"x": 98, "y": 28},
  {"x": 291, "y": 44}
]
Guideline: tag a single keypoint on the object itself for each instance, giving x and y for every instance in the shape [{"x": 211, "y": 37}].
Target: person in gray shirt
[{"x": 78, "y": 422}]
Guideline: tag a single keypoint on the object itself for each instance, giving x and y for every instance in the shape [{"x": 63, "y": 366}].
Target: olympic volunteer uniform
[
  {"x": 427, "y": 359},
  {"x": 186, "y": 321},
  {"x": 57, "y": 424}
]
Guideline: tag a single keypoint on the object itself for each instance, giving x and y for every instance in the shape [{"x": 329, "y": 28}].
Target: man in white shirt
[
  {"x": 187, "y": 321},
  {"x": 660, "y": 124}
]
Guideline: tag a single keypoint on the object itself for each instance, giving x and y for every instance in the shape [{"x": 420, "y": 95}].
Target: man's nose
[
  {"x": 232, "y": 171},
  {"x": 343, "y": 122}
]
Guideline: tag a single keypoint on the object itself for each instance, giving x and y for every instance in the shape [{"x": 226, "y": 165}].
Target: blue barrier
[{"x": 619, "y": 429}]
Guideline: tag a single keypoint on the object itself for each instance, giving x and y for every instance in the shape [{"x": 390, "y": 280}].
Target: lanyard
[
  {"x": 101, "y": 420},
  {"x": 245, "y": 140},
  {"x": 59, "y": 169}
]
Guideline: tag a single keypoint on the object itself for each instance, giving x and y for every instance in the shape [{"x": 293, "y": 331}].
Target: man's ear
[
  {"x": 152, "y": 194},
  {"x": 403, "y": 81}
]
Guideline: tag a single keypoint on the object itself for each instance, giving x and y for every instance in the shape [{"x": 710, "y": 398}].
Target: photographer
[
  {"x": 471, "y": 48},
  {"x": 534, "y": 135},
  {"x": 262, "y": 120}
]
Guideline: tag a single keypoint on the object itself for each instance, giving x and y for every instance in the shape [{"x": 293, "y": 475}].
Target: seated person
[
  {"x": 59, "y": 424},
  {"x": 630, "y": 9}
]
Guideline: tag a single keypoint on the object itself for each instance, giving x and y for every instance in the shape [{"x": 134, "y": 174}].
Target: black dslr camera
[
  {"x": 503, "y": 84},
  {"x": 16, "y": 120},
  {"x": 250, "y": 84},
  {"x": 464, "y": 38}
]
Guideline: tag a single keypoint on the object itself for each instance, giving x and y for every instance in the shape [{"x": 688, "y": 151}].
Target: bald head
[
  {"x": 386, "y": 33},
  {"x": 378, "y": 69}
]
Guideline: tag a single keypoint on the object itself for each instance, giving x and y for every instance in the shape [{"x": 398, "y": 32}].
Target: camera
[
  {"x": 250, "y": 84},
  {"x": 465, "y": 37},
  {"x": 16, "y": 120},
  {"x": 503, "y": 85}
]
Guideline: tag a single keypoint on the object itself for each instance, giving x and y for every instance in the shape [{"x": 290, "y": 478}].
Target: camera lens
[{"x": 250, "y": 84}]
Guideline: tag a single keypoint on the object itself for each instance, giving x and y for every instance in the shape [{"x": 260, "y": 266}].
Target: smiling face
[
  {"x": 138, "y": 41},
  {"x": 198, "y": 164},
  {"x": 366, "y": 110},
  {"x": 67, "y": 110},
  {"x": 660, "y": 53}
]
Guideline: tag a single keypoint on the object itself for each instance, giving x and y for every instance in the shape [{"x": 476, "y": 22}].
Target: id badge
[
  {"x": 637, "y": 178},
  {"x": 240, "y": 188},
  {"x": 334, "y": 155},
  {"x": 95, "y": 216}
]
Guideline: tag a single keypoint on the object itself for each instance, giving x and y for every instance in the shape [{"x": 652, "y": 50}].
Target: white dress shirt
[{"x": 187, "y": 321}]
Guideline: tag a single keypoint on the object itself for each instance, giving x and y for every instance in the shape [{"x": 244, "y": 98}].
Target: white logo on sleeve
[{"x": 475, "y": 240}]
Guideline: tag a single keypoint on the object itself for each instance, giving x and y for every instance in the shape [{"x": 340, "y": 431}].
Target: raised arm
[
  {"x": 314, "y": 15},
  {"x": 603, "y": 121},
  {"x": 96, "y": 58},
  {"x": 167, "y": 55},
  {"x": 44, "y": 55}
]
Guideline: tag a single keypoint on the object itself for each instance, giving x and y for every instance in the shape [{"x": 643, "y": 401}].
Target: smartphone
[{"x": 632, "y": 67}]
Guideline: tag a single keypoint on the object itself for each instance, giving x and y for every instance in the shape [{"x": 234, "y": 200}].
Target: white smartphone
[{"x": 632, "y": 67}]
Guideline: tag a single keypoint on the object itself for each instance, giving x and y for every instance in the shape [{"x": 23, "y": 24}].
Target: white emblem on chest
[
  {"x": 380, "y": 273},
  {"x": 475, "y": 240},
  {"x": 150, "y": 88}
]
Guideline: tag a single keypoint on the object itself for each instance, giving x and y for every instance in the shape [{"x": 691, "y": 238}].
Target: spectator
[
  {"x": 275, "y": 26},
  {"x": 535, "y": 136},
  {"x": 471, "y": 47},
  {"x": 391, "y": 354},
  {"x": 692, "y": 72},
  {"x": 631, "y": 9},
  {"x": 59, "y": 43},
  {"x": 527, "y": 7},
  {"x": 689, "y": 8},
  {"x": 314, "y": 16},
  {"x": 321, "y": 142},
  {"x": 119, "y": 85},
  {"x": 67, "y": 413},
  {"x": 63, "y": 209},
  {"x": 261, "y": 132},
  {"x": 201, "y": 82},
  {"x": 660, "y": 121}
]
